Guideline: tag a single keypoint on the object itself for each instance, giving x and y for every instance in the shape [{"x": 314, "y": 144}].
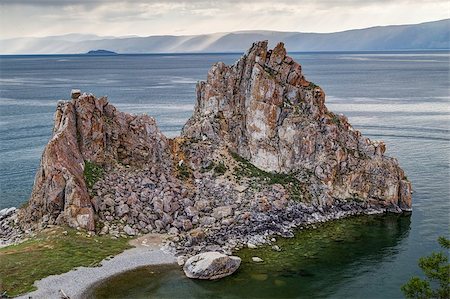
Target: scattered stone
[
  {"x": 129, "y": 231},
  {"x": 257, "y": 259},
  {"x": 276, "y": 248},
  {"x": 122, "y": 210},
  {"x": 181, "y": 260},
  {"x": 222, "y": 212},
  {"x": 251, "y": 246},
  {"x": 173, "y": 231}
]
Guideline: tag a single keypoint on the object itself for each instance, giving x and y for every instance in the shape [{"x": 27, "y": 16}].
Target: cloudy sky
[{"x": 155, "y": 17}]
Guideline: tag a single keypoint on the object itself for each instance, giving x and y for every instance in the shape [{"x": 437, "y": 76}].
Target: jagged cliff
[
  {"x": 264, "y": 109},
  {"x": 89, "y": 129},
  {"x": 261, "y": 155}
]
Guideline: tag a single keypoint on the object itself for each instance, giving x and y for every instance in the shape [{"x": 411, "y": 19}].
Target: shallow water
[
  {"x": 313, "y": 264},
  {"x": 401, "y": 98}
]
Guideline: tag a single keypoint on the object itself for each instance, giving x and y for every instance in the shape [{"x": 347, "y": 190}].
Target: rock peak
[{"x": 264, "y": 109}]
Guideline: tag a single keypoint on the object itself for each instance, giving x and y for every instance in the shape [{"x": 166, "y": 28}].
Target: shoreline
[
  {"x": 147, "y": 251},
  {"x": 150, "y": 249}
]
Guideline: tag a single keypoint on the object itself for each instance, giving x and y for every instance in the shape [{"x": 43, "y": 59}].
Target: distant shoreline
[{"x": 237, "y": 53}]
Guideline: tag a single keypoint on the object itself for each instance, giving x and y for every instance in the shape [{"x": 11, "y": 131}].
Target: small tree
[{"x": 437, "y": 271}]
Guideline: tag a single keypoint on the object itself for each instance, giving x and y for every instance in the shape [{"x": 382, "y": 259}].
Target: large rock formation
[
  {"x": 264, "y": 109},
  {"x": 89, "y": 129},
  {"x": 260, "y": 156}
]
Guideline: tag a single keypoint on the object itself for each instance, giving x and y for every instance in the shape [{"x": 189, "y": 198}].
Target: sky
[{"x": 35, "y": 18}]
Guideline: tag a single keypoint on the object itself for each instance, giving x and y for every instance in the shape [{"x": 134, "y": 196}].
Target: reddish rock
[{"x": 89, "y": 129}]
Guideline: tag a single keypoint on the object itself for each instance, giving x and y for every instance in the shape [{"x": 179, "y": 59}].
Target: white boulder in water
[{"x": 211, "y": 265}]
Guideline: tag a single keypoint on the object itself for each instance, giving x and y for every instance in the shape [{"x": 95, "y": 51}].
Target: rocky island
[
  {"x": 101, "y": 52},
  {"x": 260, "y": 156}
]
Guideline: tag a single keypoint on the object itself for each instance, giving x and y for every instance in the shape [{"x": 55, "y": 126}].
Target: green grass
[
  {"x": 295, "y": 188},
  {"x": 52, "y": 252},
  {"x": 92, "y": 173},
  {"x": 220, "y": 168},
  {"x": 184, "y": 171}
]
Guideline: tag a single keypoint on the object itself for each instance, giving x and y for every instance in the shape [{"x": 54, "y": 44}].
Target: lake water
[{"x": 400, "y": 97}]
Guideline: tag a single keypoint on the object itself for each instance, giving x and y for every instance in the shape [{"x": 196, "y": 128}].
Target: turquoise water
[{"x": 400, "y": 97}]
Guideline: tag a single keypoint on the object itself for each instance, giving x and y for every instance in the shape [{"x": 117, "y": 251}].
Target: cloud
[{"x": 139, "y": 17}]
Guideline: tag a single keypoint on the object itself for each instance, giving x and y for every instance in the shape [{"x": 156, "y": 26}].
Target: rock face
[
  {"x": 264, "y": 109},
  {"x": 89, "y": 129},
  {"x": 260, "y": 156},
  {"x": 211, "y": 265}
]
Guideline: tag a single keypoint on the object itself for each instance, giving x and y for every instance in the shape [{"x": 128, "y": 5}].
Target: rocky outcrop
[
  {"x": 10, "y": 231},
  {"x": 211, "y": 265},
  {"x": 89, "y": 129},
  {"x": 264, "y": 109},
  {"x": 260, "y": 156}
]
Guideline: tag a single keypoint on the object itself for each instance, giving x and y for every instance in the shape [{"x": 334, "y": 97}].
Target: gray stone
[
  {"x": 257, "y": 259},
  {"x": 187, "y": 224},
  {"x": 129, "y": 231},
  {"x": 222, "y": 212},
  {"x": 122, "y": 210},
  {"x": 207, "y": 220},
  {"x": 251, "y": 246},
  {"x": 159, "y": 225},
  {"x": 211, "y": 265},
  {"x": 191, "y": 211}
]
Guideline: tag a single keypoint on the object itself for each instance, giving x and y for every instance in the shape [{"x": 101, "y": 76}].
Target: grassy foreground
[{"x": 53, "y": 251}]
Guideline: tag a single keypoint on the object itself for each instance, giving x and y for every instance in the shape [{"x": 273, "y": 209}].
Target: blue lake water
[{"x": 400, "y": 97}]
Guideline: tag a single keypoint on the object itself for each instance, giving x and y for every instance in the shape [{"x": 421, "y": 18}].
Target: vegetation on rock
[
  {"x": 437, "y": 271},
  {"x": 92, "y": 173},
  {"x": 288, "y": 181}
]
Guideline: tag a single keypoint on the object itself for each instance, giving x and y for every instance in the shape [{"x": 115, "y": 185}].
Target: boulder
[
  {"x": 211, "y": 265},
  {"x": 129, "y": 230},
  {"x": 222, "y": 212},
  {"x": 122, "y": 210}
]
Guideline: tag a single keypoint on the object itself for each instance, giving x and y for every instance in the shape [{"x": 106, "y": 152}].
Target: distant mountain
[
  {"x": 101, "y": 52},
  {"x": 424, "y": 36}
]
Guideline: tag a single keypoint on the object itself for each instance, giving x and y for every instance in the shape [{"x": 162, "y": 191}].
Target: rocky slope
[{"x": 261, "y": 155}]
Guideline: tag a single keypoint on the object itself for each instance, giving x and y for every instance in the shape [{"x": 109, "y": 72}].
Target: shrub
[
  {"x": 92, "y": 173},
  {"x": 437, "y": 271}
]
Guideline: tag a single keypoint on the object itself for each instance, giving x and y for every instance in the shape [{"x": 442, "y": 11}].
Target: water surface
[{"x": 316, "y": 263}]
